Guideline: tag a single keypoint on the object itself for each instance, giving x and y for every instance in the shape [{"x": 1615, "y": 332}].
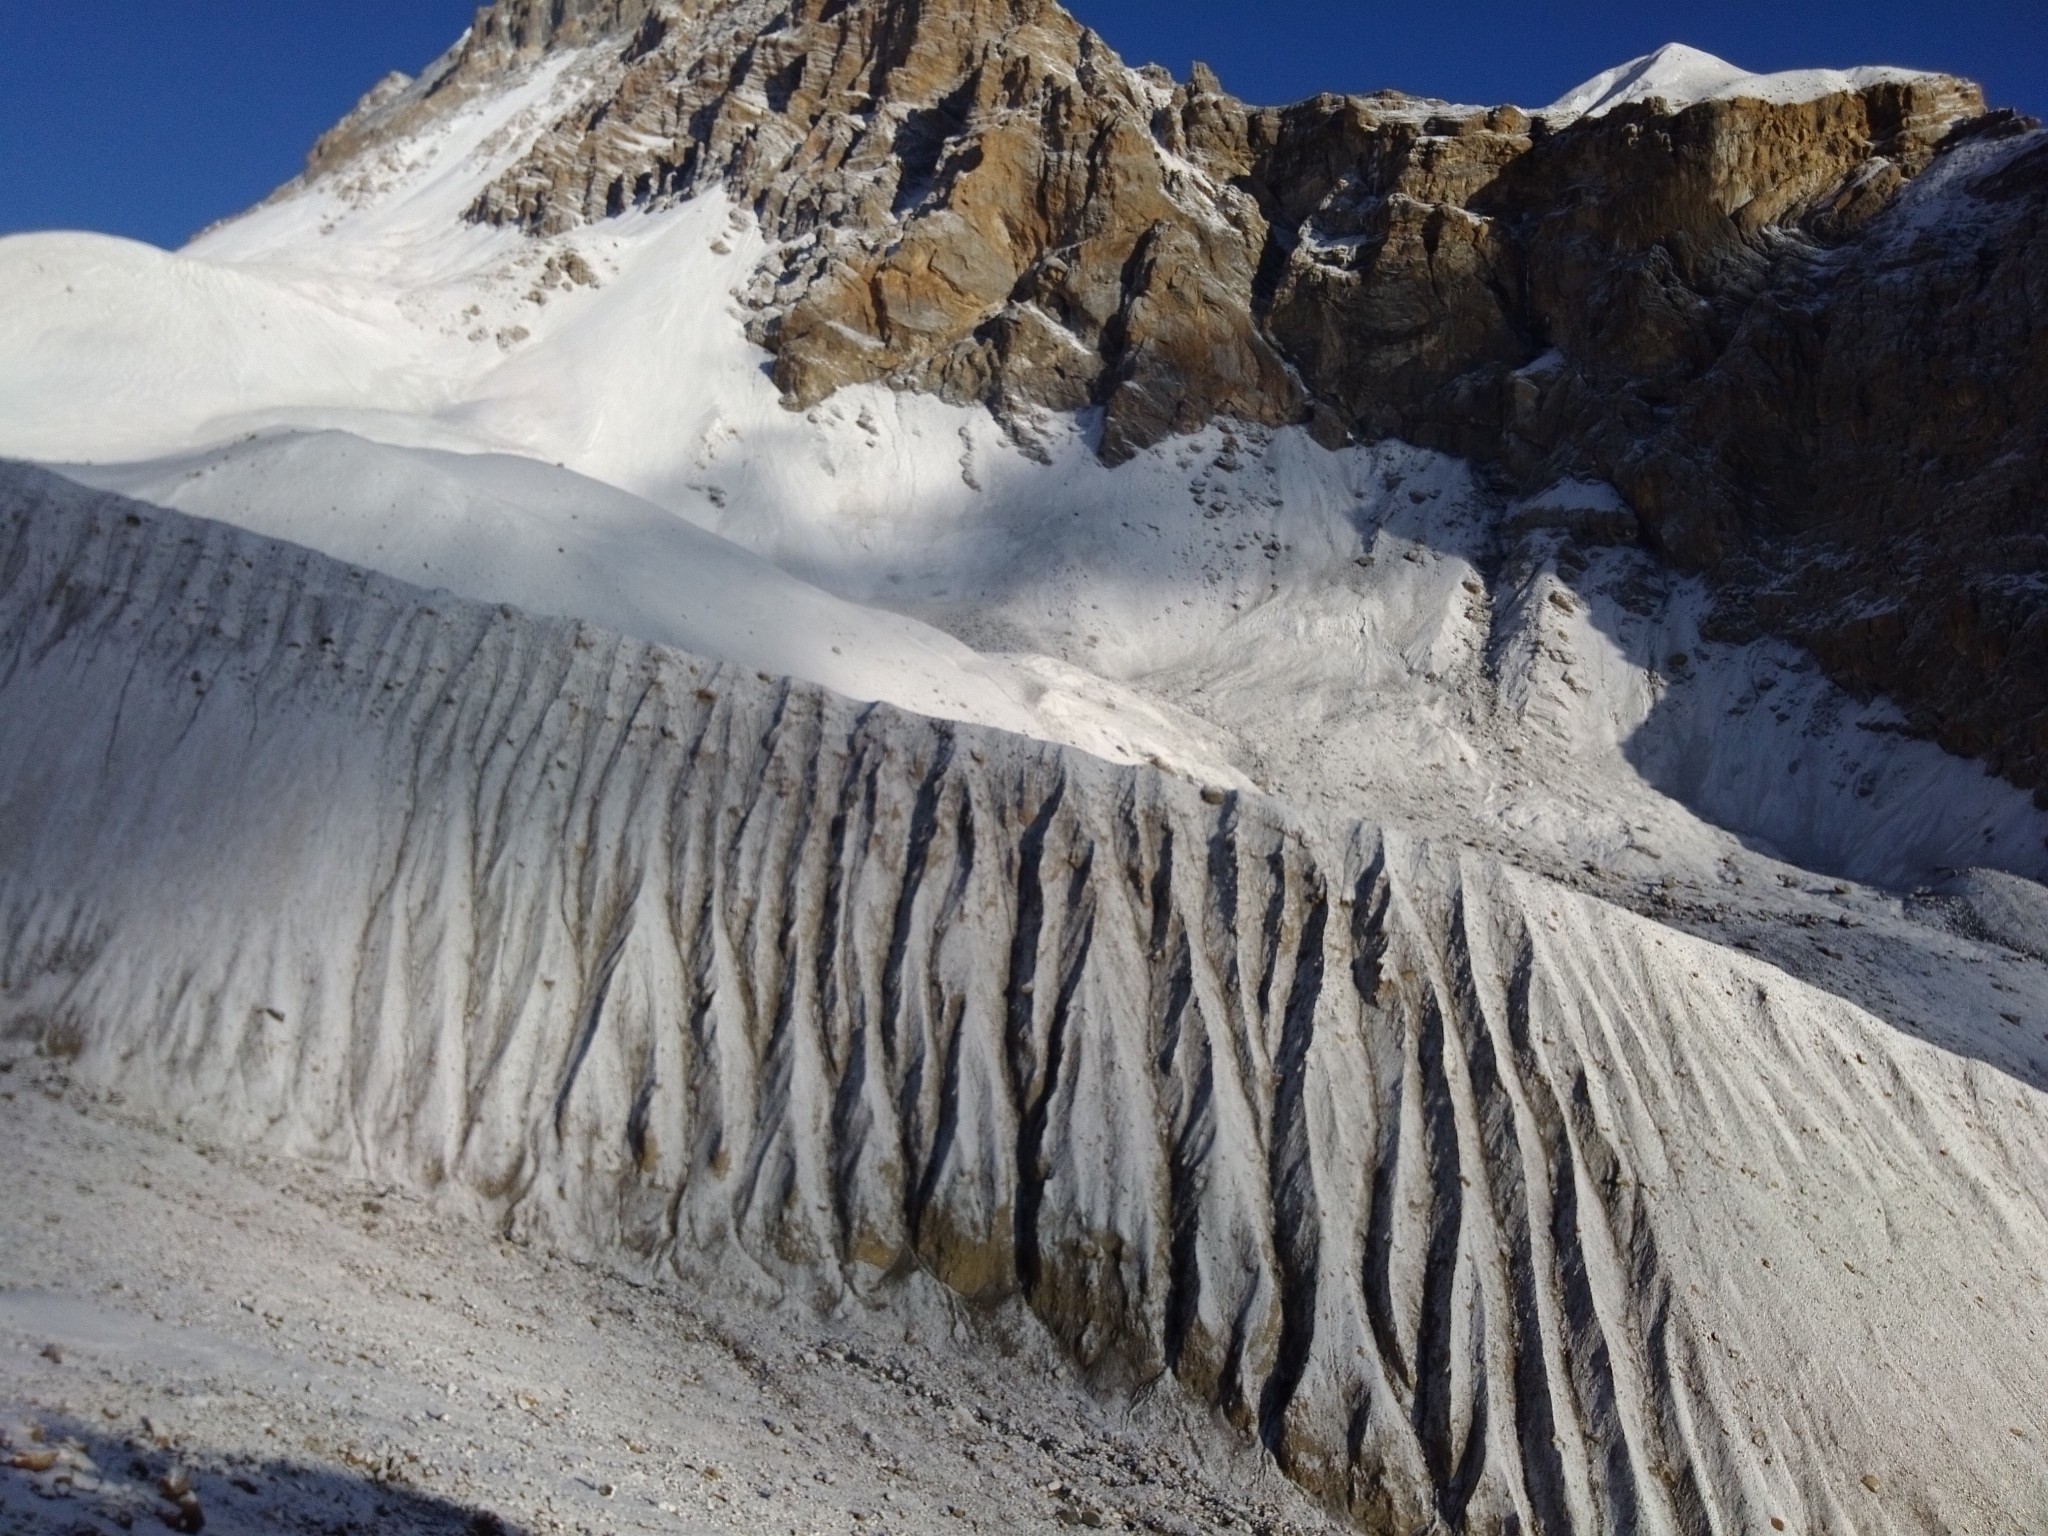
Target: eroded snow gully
[{"x": 1475, "y": 1199}]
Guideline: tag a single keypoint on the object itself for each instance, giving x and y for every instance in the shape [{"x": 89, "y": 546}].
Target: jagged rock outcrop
[
  {"x": 1717, "y": 308},
  {"x": 1470, "y": 1197},
  {"x": 976, "y": 197},
  {"x": 1731, "y": 310},
  {"x": 1866, "y": 465},
  {"x": 970, "y": 196}
]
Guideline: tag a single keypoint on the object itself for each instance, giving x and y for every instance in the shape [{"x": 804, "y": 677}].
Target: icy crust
[
  {"x": 1684, "y": 77},
  {"x": 1474, "y": 1198}
]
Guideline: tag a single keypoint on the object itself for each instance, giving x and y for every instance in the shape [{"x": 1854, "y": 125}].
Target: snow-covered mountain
[
  {"x": 1405, "y": 874},
  {"x": 1683, "y": 77}
]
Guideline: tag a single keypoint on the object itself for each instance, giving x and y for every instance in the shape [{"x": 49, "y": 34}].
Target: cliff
[{"x": 1810, "y": 375}]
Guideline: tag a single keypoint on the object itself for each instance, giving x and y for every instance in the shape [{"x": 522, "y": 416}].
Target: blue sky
[{"x": 151, "y": 119}]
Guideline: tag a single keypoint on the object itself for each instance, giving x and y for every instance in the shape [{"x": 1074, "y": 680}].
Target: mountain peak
[
  {"x": 1675, "y": 72},
  {"x": 515, "y": 29},
  {"x": 1683, "y": 76}
]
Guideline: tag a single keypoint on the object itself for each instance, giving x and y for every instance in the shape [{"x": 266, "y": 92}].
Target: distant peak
[
  {"x": 1676, "y": 72},
  {"x": 1682, "y": 76}
]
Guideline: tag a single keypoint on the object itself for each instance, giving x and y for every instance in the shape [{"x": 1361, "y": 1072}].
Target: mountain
[{"x": 1372, "y": 767}]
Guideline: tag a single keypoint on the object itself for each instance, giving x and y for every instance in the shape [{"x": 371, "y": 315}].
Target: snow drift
[{"x": 1478, "y": 1200}]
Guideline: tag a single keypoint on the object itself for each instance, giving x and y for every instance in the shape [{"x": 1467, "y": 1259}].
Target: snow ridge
[
  {"x": 1683, "y": 77},
  {"x": 1468, "y": 1196}
]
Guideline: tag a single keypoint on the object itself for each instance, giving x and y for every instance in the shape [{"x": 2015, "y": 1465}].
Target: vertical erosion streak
[
  {"x": 1435, "y": 1363},
  {"x": 776, "y": 1163},
  {"x": 1034, "y": 1166},
  {"x": 1020, "y": 1030},
  {"x": 946, "y": 1128},
  {"x": 1186, "y": 1077},
  {"x": 843, "y": 999},
  {"x": 1372, "y": 900},
  {"x": 1459, "y": 1092},
  {"x": 593, "y": 1012},
  {"x": 1600, "y": 1406},
  {"x": 905, "y": 1038},
  {"x": 1538, "y": 1435},
  {"x": 1297, "y": 1214}
]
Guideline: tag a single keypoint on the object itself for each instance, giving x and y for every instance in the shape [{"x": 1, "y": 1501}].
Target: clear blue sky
[{"x": 151, "y": 118}]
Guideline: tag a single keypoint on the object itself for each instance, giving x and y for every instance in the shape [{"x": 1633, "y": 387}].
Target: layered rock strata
[{"x": 1483, "y": 1205}]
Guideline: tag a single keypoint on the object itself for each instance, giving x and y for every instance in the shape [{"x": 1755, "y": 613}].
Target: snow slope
[
  {"x": 509, "y": 529},
  {"x": 1473, "y": 1197},
  {"x": 116, "y": 349},
  {"x": 1683, "y": 77},
  {"x": 506, "y": 529}
]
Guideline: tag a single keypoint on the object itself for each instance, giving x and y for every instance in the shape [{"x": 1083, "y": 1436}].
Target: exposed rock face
[
  {"x": 972, "y": 198},
  {"x": 1472, "y": 1198},
  {"x": 1720, "y": 309},
  {"x": 1867, "y": 464},
  {"x": 980, "y": 200}
]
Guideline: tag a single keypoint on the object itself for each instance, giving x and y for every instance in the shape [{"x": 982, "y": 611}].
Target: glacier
[{"x": 1475, "y": 1198}]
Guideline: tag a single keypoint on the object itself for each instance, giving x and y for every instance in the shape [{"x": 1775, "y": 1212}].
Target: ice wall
[{"x": 1477, "y": 1200}]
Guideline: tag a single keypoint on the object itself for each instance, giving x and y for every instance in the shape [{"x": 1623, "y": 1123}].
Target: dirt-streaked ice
[{"x": 1473, "y": 1196}]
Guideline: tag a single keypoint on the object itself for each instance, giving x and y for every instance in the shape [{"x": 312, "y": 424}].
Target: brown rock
[{"x": 1833, "y": 409}]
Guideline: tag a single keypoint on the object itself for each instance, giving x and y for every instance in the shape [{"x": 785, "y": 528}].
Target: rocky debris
[
  {"x": 664, "y": 1403},
  {"x": 1990, "y": 906}
]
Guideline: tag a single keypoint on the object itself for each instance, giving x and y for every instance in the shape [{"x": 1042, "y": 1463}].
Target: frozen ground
[
  {"x": 321, "y": 1354},
  {"x": 1403, "y": 1159}
]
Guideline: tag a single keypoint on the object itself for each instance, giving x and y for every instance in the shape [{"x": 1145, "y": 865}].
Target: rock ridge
[
  {"x": 1809, "y": 375},
  {"x": 1726, "y": 309}
]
